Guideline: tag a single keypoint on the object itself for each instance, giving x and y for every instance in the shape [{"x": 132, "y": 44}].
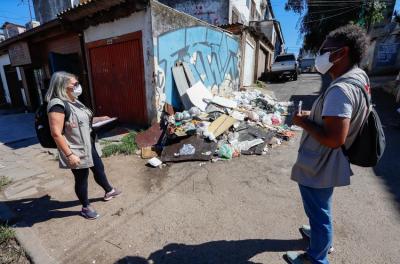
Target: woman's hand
[
  {"x": 74, "y": 161},
  {"x": 299, "y": 119}
]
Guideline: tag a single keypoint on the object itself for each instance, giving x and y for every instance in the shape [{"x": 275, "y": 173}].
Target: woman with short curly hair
[{"x": 331, "y": 126}]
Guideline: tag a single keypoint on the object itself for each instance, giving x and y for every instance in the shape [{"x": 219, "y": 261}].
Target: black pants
[{"x": 81, "y": 178}]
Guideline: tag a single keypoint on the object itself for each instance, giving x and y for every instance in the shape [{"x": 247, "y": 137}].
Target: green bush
[{"x": 126, "y": 147}]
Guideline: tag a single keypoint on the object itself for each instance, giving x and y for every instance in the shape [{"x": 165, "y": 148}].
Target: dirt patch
[
  {"x": 10, "y": 250},
  {"x": 153, "y": 178}
]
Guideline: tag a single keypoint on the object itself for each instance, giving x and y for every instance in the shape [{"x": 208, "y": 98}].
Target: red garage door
[{"x": 118, "y": 78}]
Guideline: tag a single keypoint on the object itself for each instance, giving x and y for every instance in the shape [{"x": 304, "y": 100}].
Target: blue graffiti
[{"x": 212, "y": 55}]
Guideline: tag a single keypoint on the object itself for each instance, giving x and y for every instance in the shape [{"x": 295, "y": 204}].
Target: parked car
[
  {"x": 285, "y": 65},
  {"x": 307, "y": 65}
]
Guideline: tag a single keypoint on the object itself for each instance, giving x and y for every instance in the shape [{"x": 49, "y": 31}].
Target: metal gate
[{"x": 117, "y": 70}]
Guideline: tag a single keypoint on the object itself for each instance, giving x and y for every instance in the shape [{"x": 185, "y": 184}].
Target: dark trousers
[{"x": 81, "y": 178}]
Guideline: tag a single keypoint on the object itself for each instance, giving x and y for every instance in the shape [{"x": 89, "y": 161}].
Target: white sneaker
[{"x": 306, "y": 230}]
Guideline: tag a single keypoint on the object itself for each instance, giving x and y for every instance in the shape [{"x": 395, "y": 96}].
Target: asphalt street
[{"x": 245, "y": 210}]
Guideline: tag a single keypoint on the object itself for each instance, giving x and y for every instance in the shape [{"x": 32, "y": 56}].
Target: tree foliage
[{"x": 319, "y": 17}]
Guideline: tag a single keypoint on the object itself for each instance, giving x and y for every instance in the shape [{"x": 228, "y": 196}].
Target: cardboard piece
[
  {"x": 221, "y": 124},
  {"x": 148, "y": 153},
  {"x": 197, "y": 93}
]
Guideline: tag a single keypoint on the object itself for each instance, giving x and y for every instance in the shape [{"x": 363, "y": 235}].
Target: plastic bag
[
  {"x": 194, "y": 111},
  {"x": 226, "y": 151},
  {"x": 187, "y": 150}
]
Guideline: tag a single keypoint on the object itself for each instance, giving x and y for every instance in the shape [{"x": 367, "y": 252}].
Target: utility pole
[{"x": 30, "y": 11}]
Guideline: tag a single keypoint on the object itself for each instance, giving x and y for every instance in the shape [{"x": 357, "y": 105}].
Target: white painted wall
[
  {"x": 241, "y": 6},
  {"x": 5, "y": 60},
  {"x": 249, "y": 62},
  {"x": 139, "y": 21}
]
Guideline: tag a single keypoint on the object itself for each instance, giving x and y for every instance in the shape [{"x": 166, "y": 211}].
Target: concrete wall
[
  {"x": 213, "y": 55},
  {"x": 46, "y": 10},
  {"x": 216, "y": 12},
  {"x": 5, "y": 60},
  {"x": 139, "y": 21},
  {"x": 211, "y": 11},
  {"x": 244, "y": 6}
]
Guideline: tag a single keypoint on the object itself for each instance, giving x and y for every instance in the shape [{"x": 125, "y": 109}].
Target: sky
[{"x": 14, "y": 11}]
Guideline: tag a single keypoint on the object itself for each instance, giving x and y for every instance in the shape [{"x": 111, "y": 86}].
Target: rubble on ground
[{"x": 220, "y": 128}]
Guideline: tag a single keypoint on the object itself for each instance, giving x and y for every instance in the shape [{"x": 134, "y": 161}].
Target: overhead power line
[
  {"x": 333, "y": 10},
  {"x": 329, "y": 17}
]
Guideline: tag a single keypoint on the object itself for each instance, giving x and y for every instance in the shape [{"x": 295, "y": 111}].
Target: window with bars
[
  {"x": 253, "y": 10},
  {"x": 235, "y": 17}
]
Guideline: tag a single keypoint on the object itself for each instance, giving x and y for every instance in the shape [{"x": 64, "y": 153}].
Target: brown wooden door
[
  {"x": 118, "y": 78},
  {"x": 14, "y": 86}
]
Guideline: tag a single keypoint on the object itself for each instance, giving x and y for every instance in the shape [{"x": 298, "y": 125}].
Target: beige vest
[{"x": 77, "y": 131}]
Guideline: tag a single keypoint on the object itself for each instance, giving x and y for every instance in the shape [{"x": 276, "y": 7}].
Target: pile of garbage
[{"x": 219, "y": 128}]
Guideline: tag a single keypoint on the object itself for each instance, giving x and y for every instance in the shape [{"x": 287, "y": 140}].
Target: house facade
[
  {"x": 130, "y": 57},
  {"x": 11, "y": 30},
  {"x": 29, "y": 59},
  {"x": 221, "y": 12},
  {"x": 260, "y": 43},
  {"x": 123, "y": 55}
]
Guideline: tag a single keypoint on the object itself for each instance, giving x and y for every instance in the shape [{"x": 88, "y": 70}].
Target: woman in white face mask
[
  {"x": 331, "y": 126},
  {"x": 71, "y": 126}
]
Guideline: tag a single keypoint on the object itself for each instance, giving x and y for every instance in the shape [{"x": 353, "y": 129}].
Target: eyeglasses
[
  {"x": 76, "y": 84},
  {"x": 328, "y": 49}
]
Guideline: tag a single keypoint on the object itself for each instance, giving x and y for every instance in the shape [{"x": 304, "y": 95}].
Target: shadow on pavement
[
  {"x": 389, "y": 166},
  {"x": 31, "y": 211},
  {"x": 233, "y": 252},
  {"x": 24, "y": 143}
]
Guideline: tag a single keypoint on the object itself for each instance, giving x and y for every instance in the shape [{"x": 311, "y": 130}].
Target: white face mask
[
  {"x": 77, "y": 91},
  {"x": 322, "y": 63}
]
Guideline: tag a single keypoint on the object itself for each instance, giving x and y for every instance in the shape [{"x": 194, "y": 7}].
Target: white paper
[
  {"x": 155, "y": 162},
  {"x": 224, "y": 102},
  {"x": 102, "y": 123},
  {"x": 197, "y": 93}
]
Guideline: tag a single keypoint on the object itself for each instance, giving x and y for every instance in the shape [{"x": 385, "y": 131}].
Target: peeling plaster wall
[
  {"x": 139, "y": 21},
  {"x": 211, "y": 11},
  {"x": 213, "y": 55},
  {"x": 244, "y": 6}
]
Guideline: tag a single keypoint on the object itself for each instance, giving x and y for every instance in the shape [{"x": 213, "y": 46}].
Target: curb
[{"x": 26, "y": 238}]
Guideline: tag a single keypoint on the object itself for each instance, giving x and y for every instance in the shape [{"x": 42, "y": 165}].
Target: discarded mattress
[{"x": 204, "y": 150}]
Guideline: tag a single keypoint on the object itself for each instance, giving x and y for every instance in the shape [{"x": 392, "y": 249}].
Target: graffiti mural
[{"x": 213, "y": 57}]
